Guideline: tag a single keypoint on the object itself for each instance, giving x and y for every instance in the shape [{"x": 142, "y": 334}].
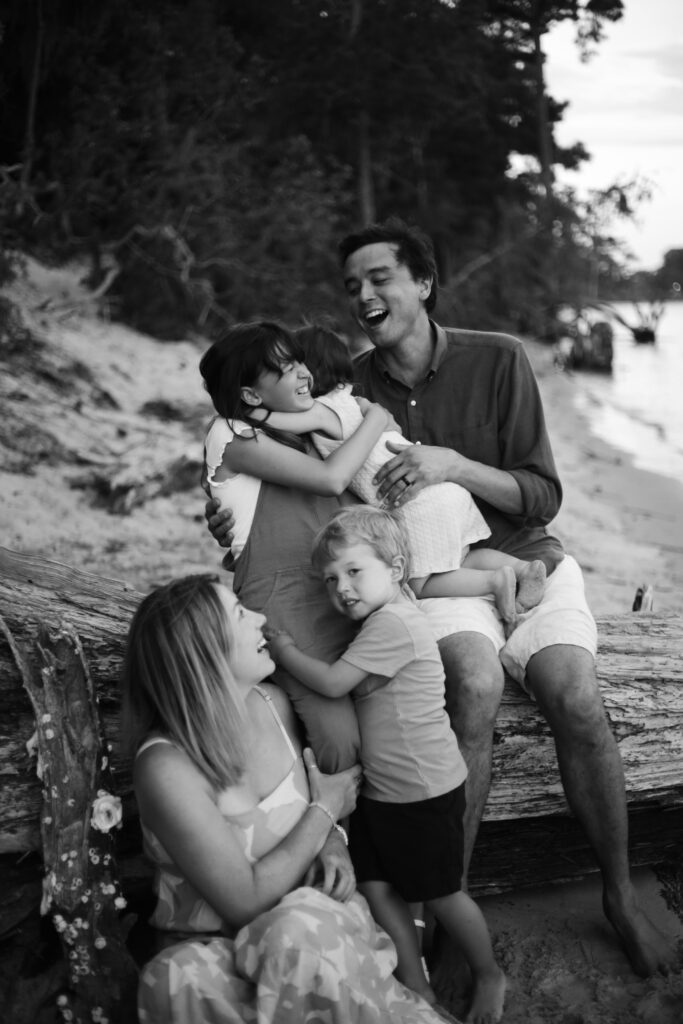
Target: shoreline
[{"x": 623, "y": 524}]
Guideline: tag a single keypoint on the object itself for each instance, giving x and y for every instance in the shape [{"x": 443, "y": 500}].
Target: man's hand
[
  {"x": 332, "y": 871},
  {"x": 220, "y": 522},
  {"x": 413, "y": 468}
]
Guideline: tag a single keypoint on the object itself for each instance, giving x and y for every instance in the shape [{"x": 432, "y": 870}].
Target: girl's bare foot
[
  {"x": 488, "y": 997},
  {"x": 504, "y": 587},
  {"x": 530, "y": 585}
]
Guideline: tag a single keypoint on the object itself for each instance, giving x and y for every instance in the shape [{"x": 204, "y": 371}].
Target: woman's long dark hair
[{"x": 236, "y": 361}]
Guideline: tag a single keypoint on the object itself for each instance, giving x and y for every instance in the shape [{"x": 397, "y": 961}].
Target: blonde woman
[{"x": 257, "y": 912}]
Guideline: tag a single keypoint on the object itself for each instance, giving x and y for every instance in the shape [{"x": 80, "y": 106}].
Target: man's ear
[
  {"x": 250, "y": 397},
  {"x": 425, "y": 285}
]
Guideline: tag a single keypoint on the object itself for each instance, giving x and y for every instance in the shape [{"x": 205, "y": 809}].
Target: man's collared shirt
[{"x": 480, "y": 398}]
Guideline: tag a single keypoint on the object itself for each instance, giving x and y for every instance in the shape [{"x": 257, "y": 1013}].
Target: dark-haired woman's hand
[{"x": 220, "y": 522}]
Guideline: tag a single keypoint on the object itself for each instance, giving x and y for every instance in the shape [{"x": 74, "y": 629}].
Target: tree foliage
[{"x": 217, "y": 150}]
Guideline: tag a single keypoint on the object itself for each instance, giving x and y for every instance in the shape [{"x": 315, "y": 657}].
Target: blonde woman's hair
[
  {"x": 177, "y": 678},
  {"x": 362, "y": 524}
]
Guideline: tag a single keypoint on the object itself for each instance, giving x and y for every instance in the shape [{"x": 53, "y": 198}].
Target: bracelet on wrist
[{"x": 337, "y": 827}]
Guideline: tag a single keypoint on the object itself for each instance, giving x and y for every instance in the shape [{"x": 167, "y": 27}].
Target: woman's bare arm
[{"x": 177, "y": 804}]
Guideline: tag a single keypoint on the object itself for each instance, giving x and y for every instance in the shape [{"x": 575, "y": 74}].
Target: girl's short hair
[
  {"x": 177, "y": 678},
  {"x": 362, "y": 524},
  {"x": 237, "y": 359},
  {"x": 326, "y": 355}
]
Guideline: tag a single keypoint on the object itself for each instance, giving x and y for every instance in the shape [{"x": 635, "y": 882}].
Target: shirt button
[{"x": 413, "y": 402}]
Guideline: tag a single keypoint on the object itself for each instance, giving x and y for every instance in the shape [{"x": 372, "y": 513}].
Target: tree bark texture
[{"x": 640, "y": 668}]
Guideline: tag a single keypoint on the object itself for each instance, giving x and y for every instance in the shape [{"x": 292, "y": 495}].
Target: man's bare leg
[
  {"x": 563, "y": 681},
  {"x": 474, "y": 686}
]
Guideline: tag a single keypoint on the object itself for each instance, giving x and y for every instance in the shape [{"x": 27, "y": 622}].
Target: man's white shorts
[{"x": 562, "y": 617}]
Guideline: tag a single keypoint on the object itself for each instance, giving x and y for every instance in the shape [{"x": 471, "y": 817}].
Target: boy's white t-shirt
[{"x": 239, "y": 491}]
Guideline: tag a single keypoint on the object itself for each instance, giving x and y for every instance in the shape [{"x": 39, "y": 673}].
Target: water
[{"x": 639, "y": 407}]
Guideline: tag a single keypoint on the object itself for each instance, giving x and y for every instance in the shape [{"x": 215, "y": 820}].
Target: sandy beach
[{"x": 623, "y": 525}]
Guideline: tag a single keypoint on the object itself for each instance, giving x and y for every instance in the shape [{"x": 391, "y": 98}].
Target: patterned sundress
[{"x": 309, "y": 959}]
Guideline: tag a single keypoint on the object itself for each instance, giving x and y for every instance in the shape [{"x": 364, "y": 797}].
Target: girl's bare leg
[
  {"x": 529, "y": 576},
  {"x": 499, "y": 583}
]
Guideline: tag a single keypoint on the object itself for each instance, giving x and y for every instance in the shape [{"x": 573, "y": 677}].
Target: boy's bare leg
[
  {"x": 464, "y": 922},
  {"x": 392, "y": 913}
]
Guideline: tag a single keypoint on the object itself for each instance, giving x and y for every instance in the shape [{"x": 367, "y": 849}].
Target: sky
[{"x": 626, "y": 106}]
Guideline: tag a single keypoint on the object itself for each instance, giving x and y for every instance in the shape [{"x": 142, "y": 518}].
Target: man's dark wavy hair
[{"x": 414, "y": 249}]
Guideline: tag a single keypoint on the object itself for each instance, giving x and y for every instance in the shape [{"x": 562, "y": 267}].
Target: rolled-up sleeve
[{"x": 523, "y": 440}]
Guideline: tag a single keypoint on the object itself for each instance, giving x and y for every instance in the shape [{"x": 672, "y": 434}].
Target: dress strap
[
  {"x": 150, "y": 743},
  {"x": 269, "y": 701}
]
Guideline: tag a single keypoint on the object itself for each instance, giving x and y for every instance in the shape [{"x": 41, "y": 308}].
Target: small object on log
[
  {"x": 644, "y": 599},
  {"x": 81, "y": 889}
]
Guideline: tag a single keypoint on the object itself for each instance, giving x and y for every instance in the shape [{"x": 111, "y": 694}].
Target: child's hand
[
  {"x": 278, "y": 640},
  {"x": 374, "y": 409}
]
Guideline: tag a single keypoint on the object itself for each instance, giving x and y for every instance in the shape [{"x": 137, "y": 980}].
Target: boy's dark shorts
[{"x": 417, "y": 847}]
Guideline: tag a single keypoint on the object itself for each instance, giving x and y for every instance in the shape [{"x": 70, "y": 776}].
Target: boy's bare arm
[{"x": 331, "y": 680}]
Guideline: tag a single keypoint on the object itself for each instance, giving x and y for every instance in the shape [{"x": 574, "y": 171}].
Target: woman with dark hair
[{"x": 281, "y": 493}]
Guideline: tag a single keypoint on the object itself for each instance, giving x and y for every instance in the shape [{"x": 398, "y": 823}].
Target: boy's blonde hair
[
  {"x": 362, "y": 524},
  {"x": 177, "y": 678}
]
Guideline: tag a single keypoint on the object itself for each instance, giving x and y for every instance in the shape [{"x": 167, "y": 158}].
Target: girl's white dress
[{"x": 442, "y": 521}]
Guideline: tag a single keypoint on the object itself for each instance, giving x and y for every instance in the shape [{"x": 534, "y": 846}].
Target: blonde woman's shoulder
[{"x": 283, "y": 706}]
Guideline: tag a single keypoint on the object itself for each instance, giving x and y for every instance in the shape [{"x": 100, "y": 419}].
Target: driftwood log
[{"x": 528, "y": 834}]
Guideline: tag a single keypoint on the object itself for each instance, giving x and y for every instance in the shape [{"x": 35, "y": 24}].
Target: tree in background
[{"x": 215, "y": 150}]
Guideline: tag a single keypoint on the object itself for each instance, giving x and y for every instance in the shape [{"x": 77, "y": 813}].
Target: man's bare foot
[
  {"x": 645, "y": 946},
  {"x": 530, "y": 585},
  {"x": 504, "y": 587},
  {"x": 488, "y": 997}
]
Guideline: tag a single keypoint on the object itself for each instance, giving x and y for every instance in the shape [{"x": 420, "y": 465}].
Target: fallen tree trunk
[{"x": 640, "y": 667}]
